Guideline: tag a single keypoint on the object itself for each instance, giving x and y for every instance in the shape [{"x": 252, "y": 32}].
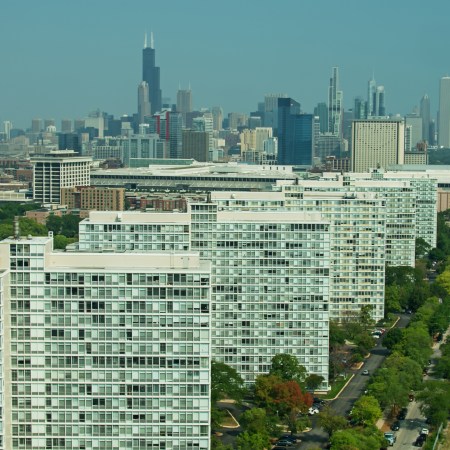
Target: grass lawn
[
  {"x": 335, "y": 388},
  {"x": 228, "y": 421},
  {"x": 389, "y": 321}
]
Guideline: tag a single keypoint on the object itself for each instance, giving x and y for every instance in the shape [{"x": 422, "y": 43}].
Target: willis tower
[{"x": 150, "y": 74}]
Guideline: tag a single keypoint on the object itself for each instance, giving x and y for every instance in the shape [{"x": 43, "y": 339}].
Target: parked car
[
  {"x": 390, "y": 437},
  {"x": 319, "y": 401},
  {"x": 365, "y": 372},
  {"x": 424, "y": 431},
  {"x": 284, "y": 443},
  {"x": 395, "y": 426},
  {"x": 313, "y": 410},
  {"x": 288, "y": 437},
  {"x": 411, "y": 397},
  {"x": 420, "y": 440}
]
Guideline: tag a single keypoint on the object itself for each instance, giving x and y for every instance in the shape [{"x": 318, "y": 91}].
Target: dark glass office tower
[
  {"x": 295, "y": 134},
  {"x": 150, "y": 74}
]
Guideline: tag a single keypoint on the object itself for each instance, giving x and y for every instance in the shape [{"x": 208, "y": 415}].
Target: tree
[
  {"x": 287, "y": 368},
  {"x": 388, "y": 388},
  {"x": 442, "y": 368},
  {"x": 422, "y": 247},
  {"x": 313, "y": 381},
  {"x": 30, "y": 226},
  {"x": 393, "y": 298},
  {"x": 366, "y": 316},
  {"x": 217, "y": 445},
  {"x": 252, "y": 441},
  {"x": 264, "y": 386},
  {"x": 225, "y": 382},
  {"x": 392, "y": 338},
  {"x": 366, "y": 410},
  {"x": 54, "y": 223},
  {"x": 337, "y": 336},
  {"x": 69, "y": 225},
  {"x": 408, "y": 370},
  {"x": 416, "y": 343},
  {"x": 254, "y": 420},
  {"x": 288, "y": 398},
  {"x": 435, "y": 398},
  {"x": 61, "y": 242},
  {"x": 369, "y": 438},
  {"x": 330, "y": 421}
]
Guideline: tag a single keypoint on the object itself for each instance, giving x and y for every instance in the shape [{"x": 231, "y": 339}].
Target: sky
[{"x": 62, "y": 59}]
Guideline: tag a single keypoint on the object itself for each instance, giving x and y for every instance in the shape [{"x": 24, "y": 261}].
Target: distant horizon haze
[{"x": 61, "y": 61}]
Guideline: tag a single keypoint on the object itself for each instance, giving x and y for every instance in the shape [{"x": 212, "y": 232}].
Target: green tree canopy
[
  {"x": 366, "y": 410},
  {"x": 392, "y": 338},
  {"x": 369, "y": 438},
  {"x": 253, "y": 441},
  {"x": 54, "y": 223},
  {"x": 435, "y": 398},
  {"x": 30, "y": 226},
  {"x": 330, "y": 421},
  {"x": 225, "y": 382},
  {"x": 287, "y": 368}
]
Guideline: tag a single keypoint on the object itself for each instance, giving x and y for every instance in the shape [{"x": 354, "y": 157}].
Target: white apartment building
[
  {"x": 401, "y": 207},
  {"x": 270, "y": 276},
  {"x": 377, "y": 143},
  {"x": 358, "y": 233},
  {"x": 57, "y": 169},
  {"x": 104, "y": 350},
  {"x": 425, "y": 190}
]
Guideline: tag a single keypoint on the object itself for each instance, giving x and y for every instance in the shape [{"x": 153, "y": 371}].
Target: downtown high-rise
[
  {"x": 335, "y": 105},
  {"x": 151, "y": 75}
]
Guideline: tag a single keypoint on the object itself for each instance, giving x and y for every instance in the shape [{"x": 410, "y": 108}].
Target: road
[
  {"x": 317, "y": 437},
  {"x": 410, "y": 428}
]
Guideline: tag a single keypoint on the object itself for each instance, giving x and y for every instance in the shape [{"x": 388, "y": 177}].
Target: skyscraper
[
  {"x": 144, "y": 107},
  {"x": 360, "y": 109},
  {"x": 36, "y": 125},
  {"x": 151, "y": 74},
  {"x": 184, "y": 102},
  {"x": 321, "y": 111},
  {"x": 371, "y": 93},
  {"x": 425, "y": 114},
  {"x": 444, "y": 113},
  {"x": 375, "y": 100},
  {"x": 377, "y": 143},
  {"x": 217, "y": 114},
  {"x": 168, "y": 125},
  {"x": 335, "y": 104},
  {"x": 295, "y": 134},
  {"x": 66, "y": 126}
]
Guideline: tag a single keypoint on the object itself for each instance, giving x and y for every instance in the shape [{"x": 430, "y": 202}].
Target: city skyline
[{"x": 67, "y": 68}]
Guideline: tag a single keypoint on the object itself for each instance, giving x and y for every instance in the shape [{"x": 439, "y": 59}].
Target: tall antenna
[
  {"x": 152, "y": 42},
  {"x": 145, "y": 40}
]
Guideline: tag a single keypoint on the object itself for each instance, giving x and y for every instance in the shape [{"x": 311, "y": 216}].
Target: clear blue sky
[{"x": 62, "y": 59}]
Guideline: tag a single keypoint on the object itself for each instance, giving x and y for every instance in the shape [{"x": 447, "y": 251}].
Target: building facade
[
  {"x": 335, "y": 104},
  {"x": 377, "y": 143},
  {"x": 92, "y": 198},
  {"x": 357, "y": 240},
  {"x": 151, "y": 75},
  {"x": 55, "y": 170},
  {"x": 270, "y": 276},
  {"x": 295, "y": 134},
  {"x": 102, "y": 356}
]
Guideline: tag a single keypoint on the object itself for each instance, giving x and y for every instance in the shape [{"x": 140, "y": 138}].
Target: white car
[
  {"x": 313, "y": 410},
  {"x": 424, "y": 431}
]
